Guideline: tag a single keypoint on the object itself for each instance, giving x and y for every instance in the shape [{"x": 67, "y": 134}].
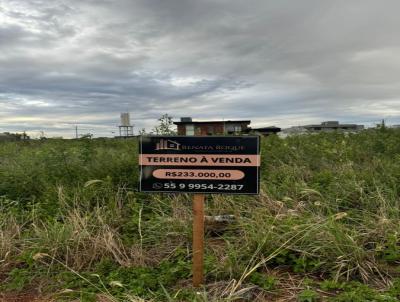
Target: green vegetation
[{"x": 324, "y": 228}]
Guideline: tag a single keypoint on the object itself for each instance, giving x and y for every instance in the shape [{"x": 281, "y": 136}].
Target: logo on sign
[{"x": 167, "y": 144}]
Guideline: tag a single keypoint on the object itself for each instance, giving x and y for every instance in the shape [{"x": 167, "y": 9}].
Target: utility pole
[{"x": 76, "y": 132}]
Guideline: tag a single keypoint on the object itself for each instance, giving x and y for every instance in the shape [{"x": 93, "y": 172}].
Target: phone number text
[{"x": 197, "y": 186}]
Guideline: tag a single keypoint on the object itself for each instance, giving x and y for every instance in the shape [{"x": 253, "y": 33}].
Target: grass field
[{"x": 324, "y": 228}]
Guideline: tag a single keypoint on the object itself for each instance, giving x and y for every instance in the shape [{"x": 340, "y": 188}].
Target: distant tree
[
  {"x": 165, "y": 126},
  {"x": 142, "y": 131},
  {"x": 42, "y": 135}
]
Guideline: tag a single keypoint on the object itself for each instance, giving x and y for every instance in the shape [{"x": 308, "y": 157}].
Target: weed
[
  {"x": 264, "y": 281},
  {"x": 308, "y": 295},
  {"x": 328, "y": 208}
]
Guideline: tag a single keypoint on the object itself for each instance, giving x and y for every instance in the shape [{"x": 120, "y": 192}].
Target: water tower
[{"x": 125, "y": 128}]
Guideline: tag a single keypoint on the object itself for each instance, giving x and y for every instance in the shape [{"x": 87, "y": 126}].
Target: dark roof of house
[
  {"x": 266, "y": 128},
  {"x": 270, "y": 129},
  {"x": 331, "y": 126},
  {"x": 214, "y": 122}
]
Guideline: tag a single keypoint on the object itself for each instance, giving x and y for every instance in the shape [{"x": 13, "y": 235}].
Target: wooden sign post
[
  {"x": 199, "y": 165},
  {"x": 198, "y": 239}
]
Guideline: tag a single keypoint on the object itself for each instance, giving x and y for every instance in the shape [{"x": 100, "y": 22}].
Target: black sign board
[{"x": 200, "y": 164}]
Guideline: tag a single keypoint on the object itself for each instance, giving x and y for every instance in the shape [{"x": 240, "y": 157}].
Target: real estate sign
[{"x": 205, "y": 164}]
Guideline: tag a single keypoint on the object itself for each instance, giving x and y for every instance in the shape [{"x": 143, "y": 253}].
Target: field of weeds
[{"x": 324, "y": 228}]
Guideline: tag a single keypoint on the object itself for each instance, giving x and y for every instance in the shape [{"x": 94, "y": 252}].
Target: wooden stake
[{"x": 198, "y": 239}]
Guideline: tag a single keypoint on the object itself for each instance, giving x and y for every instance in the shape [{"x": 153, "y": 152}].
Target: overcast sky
[{"x": 276, "y": 62}]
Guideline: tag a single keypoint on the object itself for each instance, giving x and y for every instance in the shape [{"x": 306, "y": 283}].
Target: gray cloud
[{"x": 83, "y": 62}]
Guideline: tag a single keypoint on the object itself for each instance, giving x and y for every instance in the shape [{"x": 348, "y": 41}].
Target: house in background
[
  {"x": 7, "y": 136},
  {"x": 328, "y": 126},
  {"x": 186, "y": 126},
  {"x": 332, "y": 126}
]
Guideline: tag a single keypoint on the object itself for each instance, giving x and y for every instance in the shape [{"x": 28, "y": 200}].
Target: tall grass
[{"x": 328, "y": 209}]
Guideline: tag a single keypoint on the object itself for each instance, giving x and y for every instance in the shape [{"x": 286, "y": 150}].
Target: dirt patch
[
  {"x": 23, "y": 297},
  {"x": 32, "y": 297}
]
